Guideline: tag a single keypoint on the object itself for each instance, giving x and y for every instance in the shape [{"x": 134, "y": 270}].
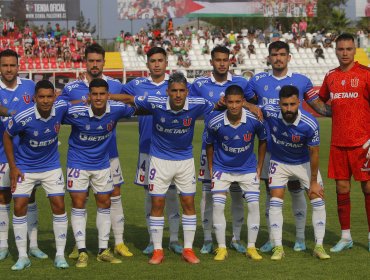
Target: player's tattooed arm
[
  {"x": 209, "y": 153},
  {"x": 315, "y": 188},
  {"x": 125, "y": 98},
  {"x": 15, "y": 173},
  {"x": 320, "y": 107},
  {"x": 254, "y": 109}
]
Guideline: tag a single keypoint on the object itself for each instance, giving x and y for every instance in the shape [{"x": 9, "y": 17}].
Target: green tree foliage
[{"x": 85, "y": 26}]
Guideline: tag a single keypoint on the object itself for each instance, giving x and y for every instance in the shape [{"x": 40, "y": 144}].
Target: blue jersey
[
  {"x": 146, "y": 87},
  {"x": 18, "y": 99},
  {"x": 208, "y": 88},
  {"x": 91, "y": 135},
  {"x": 289, "y": 142},
  {"x": 79, "y": 90},
  {"x": 172, "y": 131},
  {"x": 38, "y": 142},
  {"x": 233, "y": 145},
  {"x": 266, "y": 87}
]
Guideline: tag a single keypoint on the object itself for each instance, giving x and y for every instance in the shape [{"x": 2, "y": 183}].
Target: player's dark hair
[
  {"x": 234, "y": 90},
  {"x": 155, "y": 50},
  {"x": 95, "y": 48},
  {"x": 278, "y": 45},
  {"x": 98, "y": 82},
  {"x": 345, "y": 37},
  {"x": 288, "y": 91},
  {"x": 9, "y": 52},
  {"x": 220, "y": 49},
  {"x": 44, "y": 84},
  {"x": 177, "y": 77}
]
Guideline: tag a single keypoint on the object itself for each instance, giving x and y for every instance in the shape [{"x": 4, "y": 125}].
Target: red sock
[
  {"x": 367, "y": 206},
  {"x": 344, "y": 210}
]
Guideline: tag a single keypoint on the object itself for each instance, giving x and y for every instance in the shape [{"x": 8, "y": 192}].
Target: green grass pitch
[{"x": 296, "y": 265}]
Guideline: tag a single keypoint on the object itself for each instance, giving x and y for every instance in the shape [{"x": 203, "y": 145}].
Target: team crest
[
  {"x": 354, "y": 82},
  {"x": 296, "y": 138},
  {"x": 110, "y": 126},
  {"x": 187, "y": 122},
  {"x": 247, "y": 137},
  {"x": 70, "y": 183},
  {"x": 343, "y": 82},
  {"x": 26, "y": 98},
  {"x": 57, "y": 127}
]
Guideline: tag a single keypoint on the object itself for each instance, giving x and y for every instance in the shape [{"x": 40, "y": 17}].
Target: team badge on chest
[{"x": 296, "y": 138}]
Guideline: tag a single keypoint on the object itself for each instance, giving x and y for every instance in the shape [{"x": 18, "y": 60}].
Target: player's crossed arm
[{"x": 320, "y": 107}]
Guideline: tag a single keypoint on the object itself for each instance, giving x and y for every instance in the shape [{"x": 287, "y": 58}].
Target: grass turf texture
[{"x": 296, "y": 265}]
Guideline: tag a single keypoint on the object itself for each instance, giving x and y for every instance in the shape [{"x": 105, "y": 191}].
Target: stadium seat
[
  {"x": 53, "y": 65},
  {"x": 22, "y": 66},
  {"x": 45, "y": 65},
  {"x": 77, "y": 65},
  {"x": 68, "y": 64},
  {"x": 62, "y": 65}
]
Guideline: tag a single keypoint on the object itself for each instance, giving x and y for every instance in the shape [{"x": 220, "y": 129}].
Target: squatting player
[
  {"x": 36, "y": 159},
  {"x": 295, "y": 143},
  {"x": 266, "y": 87},
  {"x": 229, "y": 149},
  {"x": 348, "y": 88},
  {"x": 79, "y": 90},
  {"x": 15, "y": 94},
  {"x": 88, "y": 164}
]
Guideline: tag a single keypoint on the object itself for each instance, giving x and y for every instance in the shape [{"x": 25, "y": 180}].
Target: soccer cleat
[
  {"x": 253, "y": 254},
  {"x": 299, "y": 246},
  {"x": 82, "y": 260},
  {"x": 107, "y": 256},
  {"x": 319, "y": 252},
  {"x": 74, "y": 254},
  {"x": 4, "y": 253},
  {"x": 207, "y": 248},
  {"x": 37, "y": 253},
  {"x": 158, "y": 257},
  {"x": 278, "y": 253},
  {"x": 235, "y": 244},
  {"x": 342, "y": 245},
  {"x": 60, "y": 262},
  {"x": 122, "y": 249},
  {"x": 175, "y": 247},
  {"x": 22, "y": 263},
  {"x": 189, "y": 256},
  {"x": 149, "y": 249},
  {"x": 221, "y": 254},
  {"x": 267, "y": 247}
]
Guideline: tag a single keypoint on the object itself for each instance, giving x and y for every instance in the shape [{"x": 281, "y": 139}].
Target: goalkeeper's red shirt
[{"x": 349, "y": 93}]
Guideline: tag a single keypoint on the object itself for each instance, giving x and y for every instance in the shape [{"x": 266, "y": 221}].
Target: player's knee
[
  {"x": 343, "y": 186},
  {"x": 365, "y": 187},
  {"x": 116, "y": 190},
  {"x": 5, "y": 196},
  {"x": 20, "y": 207}
]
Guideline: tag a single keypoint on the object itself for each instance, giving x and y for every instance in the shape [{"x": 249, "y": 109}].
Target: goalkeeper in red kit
[{"x": 348, "y": 88}]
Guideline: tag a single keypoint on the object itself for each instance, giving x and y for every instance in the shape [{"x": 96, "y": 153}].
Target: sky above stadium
[{"x": 111, "y": 25}]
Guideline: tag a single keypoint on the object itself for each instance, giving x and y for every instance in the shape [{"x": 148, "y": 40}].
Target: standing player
[
  {"x": 37, "y": 160},
  {"x": 212, "y": 88},
  {"x": 230, "y": 142},
  {"x": 15, "y": 94},
  {"x": 88, "y": 164},
  {"x": 294, "y": 156},
  {"x": 266, "y": 87},
  {"x": 78, "y": 90},
  {"x": 155, "y": 85},
  {"x": 171, "y": 158},
  {"x": 348, "y": 88}
]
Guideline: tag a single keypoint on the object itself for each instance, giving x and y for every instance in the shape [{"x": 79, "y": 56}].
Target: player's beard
[
  {"x": 290, "y": 117},
  {"x": 95, "y": 75}
]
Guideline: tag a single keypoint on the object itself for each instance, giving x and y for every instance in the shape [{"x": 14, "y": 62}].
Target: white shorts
[
  {"x": 79, "y": 180},
  {"x": 4, "y": 176},
  {"x": 266, "y": 167},
  {"x": 52, "y": 181},
  {"x": 142, "y": 171},
  {"x": 116, "y": 170},
  {"x": 221, "y": 181},
  {"x": 162, "y": 172},
  {"x": 204, "y": 175},
  {"x": 281, "y": 173}
]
